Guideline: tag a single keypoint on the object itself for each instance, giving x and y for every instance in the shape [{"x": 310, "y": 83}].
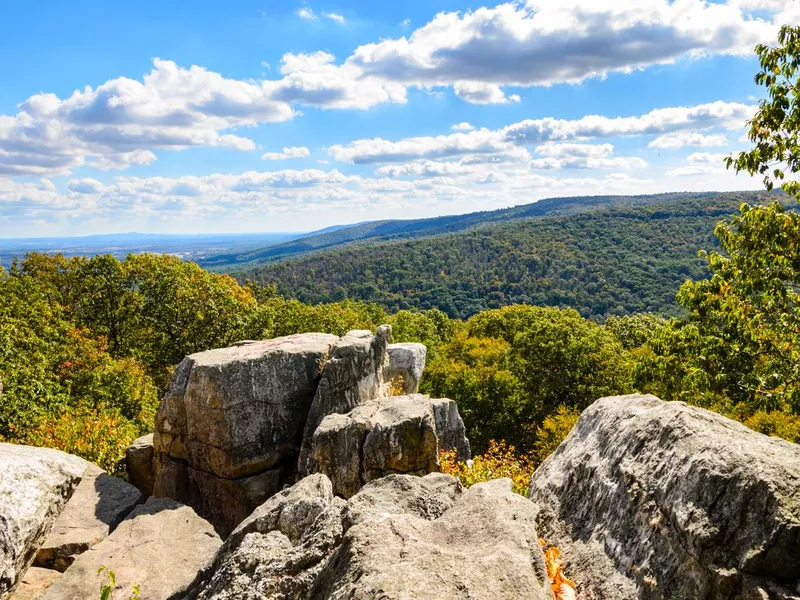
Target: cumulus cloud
[
  {"x": 463, "y": 126},
  {"x": 680, "y": 139},
  {"x": 286, "y": 153},
  {"x": 699, "y": 163},
  {"x": 547, "y": 135},
  {"x": 476, "y": 92},
  {"x": 542, "y": 43}
]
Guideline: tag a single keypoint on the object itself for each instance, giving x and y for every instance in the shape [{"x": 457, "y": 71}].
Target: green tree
[{"x": 775, "y": 128}]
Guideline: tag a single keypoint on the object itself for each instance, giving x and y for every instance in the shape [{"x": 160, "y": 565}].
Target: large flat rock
[
  {"x": 399, "y": 538},
  {"x": 35, "y": 484},
  {"x": 99, "y": 504},
  {"x": 651, "y": 499},
  {"x": 484, "y": 547},
  {"x": 160, "y": 547}
]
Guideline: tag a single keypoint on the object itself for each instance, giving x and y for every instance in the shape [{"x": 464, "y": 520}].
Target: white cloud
[
  {"x": 700, "y": 163},
  {"x": 405, "y": 23},
  {"x": 543, "y": 42},
  {"x": 566, "y": 150},
  {"x": 306, "y": 14},
  {"x": 335, "y": 17},
  {"x": 476, "y": 92},
  {"x": 588, "y": 162},
  {"x": 463, "y": 126},
  {"x": 286, "y": 153},
  {"x": 508, "y": 142},
  {"x": 680, "y": 139}
]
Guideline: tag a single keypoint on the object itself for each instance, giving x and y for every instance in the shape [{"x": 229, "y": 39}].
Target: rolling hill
[
  {"x": 416, "y": 228},
  {"x": 602, "y": 259}
]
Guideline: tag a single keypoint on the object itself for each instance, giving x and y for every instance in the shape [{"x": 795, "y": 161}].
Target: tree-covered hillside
[
  {"x": 605, "y": 262},
  {"x": 375, "y": 231}
]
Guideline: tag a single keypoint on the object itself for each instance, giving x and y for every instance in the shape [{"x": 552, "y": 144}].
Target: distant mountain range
[
  {"x": 373, "y": 231},
  {"x": 601, "y": 255}
]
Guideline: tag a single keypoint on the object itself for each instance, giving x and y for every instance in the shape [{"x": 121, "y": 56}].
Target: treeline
[
  {"x": 608, "y": 262},
  {"x": 87, "y": 346}
]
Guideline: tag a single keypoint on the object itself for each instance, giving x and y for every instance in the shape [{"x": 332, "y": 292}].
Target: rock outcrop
[
  {"x": 35, "y": 484},
  {"x": 356, "y": 374},
  {"x": 98, "y": 505},
  {"x": 240, "y": 423},
  {"x": 399, "y": 537},
  {"x": 406, "y": 364},
  {"x": 450, "y": 428},
  {"x": 139, "y": 464},
  {"x": 160, "y": 547},
  {"x": 229, "y": 430},
  {"x": 374, "y": 440},
  {"x": 651, "y": 499}
]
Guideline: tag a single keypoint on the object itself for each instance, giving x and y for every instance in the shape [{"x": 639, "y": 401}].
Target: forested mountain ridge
[
  {"x": 385, "y": 230},
  {"x": 608, "y": 261}
]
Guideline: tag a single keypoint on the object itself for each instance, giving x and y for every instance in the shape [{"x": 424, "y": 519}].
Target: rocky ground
[{"x": 285, "y": 469}]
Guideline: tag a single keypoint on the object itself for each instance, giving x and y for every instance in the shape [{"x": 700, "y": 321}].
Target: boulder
[
  {"x": 450, "y": 428},
  {"x": 98, "y": 505},
  {"x": 407, "y": 361},
  {"x": 374, "y": 440},
  {"x": 232, "y": 419},
  {"x": 402, "y": 438},
  {"x": 484, "y": 547},
  {"x": 651, "y": 499},
  {"x": 35, "y": 484},
  {"x": 400, "y": 537},
  {"x": 139, "y": 464},
  {"x": 356, "y": 374},
  {"x": 278, "y": 551},
  {"x": 160, "y": 547},
  {"x": 337, "y": 448}
]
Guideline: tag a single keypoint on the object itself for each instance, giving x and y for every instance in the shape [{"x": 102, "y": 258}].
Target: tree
[{"x": 775, "y": 128}]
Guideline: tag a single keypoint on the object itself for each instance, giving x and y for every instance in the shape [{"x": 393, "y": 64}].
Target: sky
[{"x": 254, "y": 116}]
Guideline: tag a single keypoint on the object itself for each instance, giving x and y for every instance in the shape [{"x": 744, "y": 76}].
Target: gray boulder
[
  {"x": 356, "y": 374},
  {"x": 35, "y": 484},
  {"x": 139, "y": 464},
  {"x": 232, "y": 423},
  {"x": 400, "y": 537},
  {"x": 160, "y": 547},
  {"x": 402, "y": 438},
  {"x": 374, "y": 440},
  {"x": 484, "y": 547},
  {"x": 98, "y": 505},
  {"x": 407, "y": 361},
  {"x": 450, "y": 428},
  {"x": 651, "y": 499}
]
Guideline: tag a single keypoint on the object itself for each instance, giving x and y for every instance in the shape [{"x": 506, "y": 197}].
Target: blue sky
[{"x": 181, "y": 117}]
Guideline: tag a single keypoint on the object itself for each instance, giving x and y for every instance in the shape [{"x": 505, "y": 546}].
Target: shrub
[
  {"x": 499, "y": 460},
  {"x": 552, "y": 432},
  {"x": 99, "y": 437}
]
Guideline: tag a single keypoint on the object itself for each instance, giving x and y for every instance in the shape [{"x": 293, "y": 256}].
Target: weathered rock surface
[
  {"x": 232, "y": 423},
  {"x": 160, "y": 546},
  {"x": 374, "y": 440},
  {"x": 356, "y": 374},
  {"x": 400, "y": 537},
  {"x": 402, "y": 438},
  {"x": 407, "y": 361},
  {"x": 98, "y": 505},
  {"x": 33, "y": 583},
  {"x": 485, "y": 546},
  {"x": 35, "y": 484},
  {"x": 450, "y": 428},
  {"x": 139, "y": 464},
  {"x": 651, "y": 499}
]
